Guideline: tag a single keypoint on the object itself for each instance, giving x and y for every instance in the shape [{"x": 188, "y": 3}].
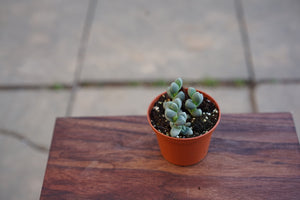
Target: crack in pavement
[{"x": 24, "y": 139}]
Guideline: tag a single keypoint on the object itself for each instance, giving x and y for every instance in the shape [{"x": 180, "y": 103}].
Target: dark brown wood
[{"x": 251, "y": 156}]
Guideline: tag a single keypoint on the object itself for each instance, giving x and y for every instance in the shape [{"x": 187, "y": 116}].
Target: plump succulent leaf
[
  {"x": 180, "y": 113},
  {"x": 170, "y": 115},
  {"x": 174, "y": 88},
  {"x": 197, "y": 98},
  {"x": 178, "y": 102},
  {"x": 191, "y": 91},
  {"x": 186, "y": 130},
  {"x": 166, "y": 104},
  {"x": 180, "y": 95},
  {"x": 181, "y": 120},
  {"x": 169, "y": 92},
  {"x": 190, "y": 105},
  {"x": 171, "y": 105},
  {"x": 178, "y": 81},
  {"x": 196, "y": 112},
  {"x": 175, "y": 131},
  {"x": 189, "y": 131}
]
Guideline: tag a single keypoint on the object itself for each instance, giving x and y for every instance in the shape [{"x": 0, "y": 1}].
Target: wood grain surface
[{"x": 251, "y": 156}]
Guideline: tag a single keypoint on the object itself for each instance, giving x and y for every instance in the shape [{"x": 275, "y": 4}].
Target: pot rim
[{"x": 183, "y": 139}]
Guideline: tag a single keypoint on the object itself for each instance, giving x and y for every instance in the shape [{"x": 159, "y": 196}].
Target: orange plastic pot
[{"x": 183, "y": 151}]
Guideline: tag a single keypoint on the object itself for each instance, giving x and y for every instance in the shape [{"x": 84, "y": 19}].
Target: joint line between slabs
[
  {"x": 247, "y": 51},
  {"x": 82, "y": 52},
  {"x": 245, "y": 38},
  {"x": 101, "y": 84}
]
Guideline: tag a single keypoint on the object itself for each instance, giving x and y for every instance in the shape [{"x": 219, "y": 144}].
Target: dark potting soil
[{"x": 199, "y": 125}]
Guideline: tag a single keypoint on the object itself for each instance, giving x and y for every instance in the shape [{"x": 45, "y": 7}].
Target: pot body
[{"x": 183, "y": 151}]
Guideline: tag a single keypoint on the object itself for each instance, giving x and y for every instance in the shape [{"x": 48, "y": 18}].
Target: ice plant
[
  {"x": 173, "y": 111},
  {"x": 195, "y": 100},
  {"x": 174, "y": 90},
  {"x": 183, "y": 120},
  {"x": 177, "y": 118}
]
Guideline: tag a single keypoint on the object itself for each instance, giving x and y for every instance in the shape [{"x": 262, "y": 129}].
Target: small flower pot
[{"x": 183, "y": 151}]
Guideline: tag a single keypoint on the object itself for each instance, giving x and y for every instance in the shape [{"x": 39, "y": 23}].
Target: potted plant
[{"x": 183, "y": 120}]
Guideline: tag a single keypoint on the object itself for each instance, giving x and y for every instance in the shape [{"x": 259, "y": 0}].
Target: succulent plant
[
  {"x": 173, "y": 112},
  {"x": 177, "y": 118},
  {"x": 195, "y": 100},
  {"x": 174, "y": 90}
]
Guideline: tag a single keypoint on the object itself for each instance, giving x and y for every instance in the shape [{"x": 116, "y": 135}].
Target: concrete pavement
[{"x": 81, "y": 58}]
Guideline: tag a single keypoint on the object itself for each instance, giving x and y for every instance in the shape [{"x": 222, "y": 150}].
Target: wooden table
[{"x": 251, "y": 156}]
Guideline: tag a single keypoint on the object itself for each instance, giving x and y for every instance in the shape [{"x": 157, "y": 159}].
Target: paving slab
[
  {"x": 39, "y": 40},
  {"x": 21, "y": 170},
  {"x": 32, "y": 113},
  {"x": 231, "y": 100},
  {"x": 274, "y": 29},
  {"x": 280, "y": 98},
  {"x": 151, "y": 40},
  {"x": 111, "y": 101}
]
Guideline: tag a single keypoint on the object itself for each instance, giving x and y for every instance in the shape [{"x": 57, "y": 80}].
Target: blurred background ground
[{"x": 97, "y": 58}]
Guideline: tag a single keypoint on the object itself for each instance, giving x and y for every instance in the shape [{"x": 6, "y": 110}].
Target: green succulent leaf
[
  {"x": 175, "y": 131},
  {"x": 180, "y": 95},
  {"x": 178, "y": 81},
  {"x": 167, "y": 104},
  {"x": 189, "y": 131},
  {"x": 178, "y": 102},
  {"x": 196, "y": 112},
  {"x": 169, "y": 92},
  {"x": 174, "y": 88},
  {"x": 181, "y": 120},
  {"x": 170, "y": 115},
  {"x": 180, "y": 113},
  {"x": 191, "y": 91},
  {"x": 197, "y": 98},
  {"x": 189, "y": 104},
  {"x": 173, "y": 106},
  {"x": 186, "y": 131}
]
